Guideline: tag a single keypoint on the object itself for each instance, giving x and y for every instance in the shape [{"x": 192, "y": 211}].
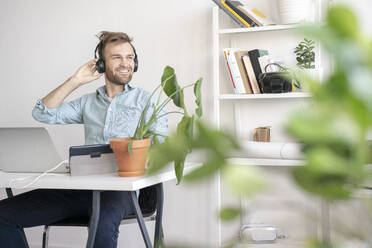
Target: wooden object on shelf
[{"x": 261, "y": 134}]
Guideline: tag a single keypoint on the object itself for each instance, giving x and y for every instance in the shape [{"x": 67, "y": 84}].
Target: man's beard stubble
[{"x": 115, "y": 79}]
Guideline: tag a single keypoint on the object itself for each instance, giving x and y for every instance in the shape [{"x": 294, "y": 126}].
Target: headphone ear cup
[
  {"x": 135, "y": 64},
  {"x": 100, "y": 65}
]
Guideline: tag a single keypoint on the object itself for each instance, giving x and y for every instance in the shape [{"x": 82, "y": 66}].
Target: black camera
[{"x": 275, "y": 82}]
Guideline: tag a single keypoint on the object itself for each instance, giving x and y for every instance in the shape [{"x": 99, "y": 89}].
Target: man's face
[{"x": 119, "y": 61}]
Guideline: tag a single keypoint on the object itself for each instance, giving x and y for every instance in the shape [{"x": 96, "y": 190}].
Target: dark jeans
[{"x": 45, "y": 206}]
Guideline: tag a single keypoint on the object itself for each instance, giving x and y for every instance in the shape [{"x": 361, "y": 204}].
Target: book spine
[
  {"x": 228, "y": 68},
  {"x": 241, "y": 14},
  {"x": 256, "y": 20},
  {"x": 254, "y": 55},
  {"x": 235, "y": 72},
  {"x": 252, "y": 78},
  {"x": 235, "y": 14},
  {"x": 243, "y": 73},
  {"x": 229, "y": 13}
]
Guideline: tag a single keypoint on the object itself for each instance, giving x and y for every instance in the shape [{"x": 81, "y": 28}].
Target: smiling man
[{"x": 112, "y": 111}]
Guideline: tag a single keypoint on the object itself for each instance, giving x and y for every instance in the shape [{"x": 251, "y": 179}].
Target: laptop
[{"x": 30, "y": 149}]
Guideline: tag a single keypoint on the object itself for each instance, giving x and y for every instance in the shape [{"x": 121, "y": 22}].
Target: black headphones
[{"x": 100, "y": 64}]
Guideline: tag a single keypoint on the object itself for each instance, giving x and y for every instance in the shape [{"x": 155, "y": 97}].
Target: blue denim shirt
[{"x": 103, "y": 118}]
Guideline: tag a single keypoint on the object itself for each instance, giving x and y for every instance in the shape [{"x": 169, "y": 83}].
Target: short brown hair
[{"x": 106, "y": 37}]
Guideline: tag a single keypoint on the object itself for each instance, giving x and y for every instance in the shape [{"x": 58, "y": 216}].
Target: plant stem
[
  {"x": 143, "y": 112},
  {"x": 173, "y": 112},
  {"x": 326, "y": 235},
  {"x": 170, "y": 98}
]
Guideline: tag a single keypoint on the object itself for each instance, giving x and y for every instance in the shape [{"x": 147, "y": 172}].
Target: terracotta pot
[{"x": 130, "y": 165}]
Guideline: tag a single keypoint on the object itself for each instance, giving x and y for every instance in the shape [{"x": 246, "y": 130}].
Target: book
[
  {"x": 254, "y": 55},
  {"x": 256, "y": 15},
  {"x": 235, "y": 14},
  {"x": 264, "y": 61},
  {"x": 229, "y": 13},
  {"x": 228, "y": 68},
  {"x": 239, "y": 59},
  {"x": 252, "y": 77},
  {"x": 235, "y": 70},
  {"x": 234, "y": 6}
]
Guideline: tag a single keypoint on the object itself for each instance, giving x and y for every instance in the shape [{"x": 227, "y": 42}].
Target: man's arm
[
  {"x": 84, "y": 75},
  {"x": 52, "y": 110}
]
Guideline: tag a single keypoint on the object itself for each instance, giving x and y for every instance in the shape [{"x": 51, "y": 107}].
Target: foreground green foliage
[{"x": 335, "y": 126}]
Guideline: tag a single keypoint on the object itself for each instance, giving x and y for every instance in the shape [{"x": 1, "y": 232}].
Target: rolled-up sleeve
[{"x": 66, "y": 113}]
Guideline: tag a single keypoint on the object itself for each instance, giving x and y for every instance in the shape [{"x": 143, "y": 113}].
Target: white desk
[
  {"x": 92, "y": 182},
  {"x": 99, "y": 183}
]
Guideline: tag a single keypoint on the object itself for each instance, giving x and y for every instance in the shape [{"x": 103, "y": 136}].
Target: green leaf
[
  {"x": 183, "y": 125},
  {"x": 229, "y": 213},
  {"x": 197, "y": 92},
  {"x": 179, "y": 166},
  {"x": 317, "y": 126},
  {"x": 243, "y": 179},
  {"x": 130, "y": 147},
  {"x": 343, "y": 20},
  {"x": 174, "y": 148},
  {"x": 171, "y": 87},
  {"x": 218, "y": 142},
  {"x": 328, "y": 174},
  {"x": 185, "y": 128},
  {"x": 206, "y": 170}
]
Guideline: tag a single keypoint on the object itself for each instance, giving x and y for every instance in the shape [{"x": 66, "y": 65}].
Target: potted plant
[
  {"x": 305, "y": 55},
  {"x": 131, "y": 153}
]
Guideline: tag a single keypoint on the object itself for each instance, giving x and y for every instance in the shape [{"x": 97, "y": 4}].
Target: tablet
[{"x": 91, "y": 160}]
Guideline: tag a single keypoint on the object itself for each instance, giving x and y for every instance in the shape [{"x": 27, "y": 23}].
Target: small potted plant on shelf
[
  {"x": 305, "y": 55},
  {"x": 131, "y": 153}
]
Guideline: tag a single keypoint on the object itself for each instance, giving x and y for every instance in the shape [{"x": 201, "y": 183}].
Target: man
[{"x": 112, "y": 111}]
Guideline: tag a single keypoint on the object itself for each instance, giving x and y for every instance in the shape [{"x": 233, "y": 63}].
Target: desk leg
[
  {"x": 141, "y": 223},
  {"x": 93, "y": 223},
  {"x": 158, "y": 239}
]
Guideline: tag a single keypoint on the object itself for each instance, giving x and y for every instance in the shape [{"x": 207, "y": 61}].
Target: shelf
[
  {"x": 267, "y": 162},
  {"x": 258, "y": 29},
  {"x": 264, "y": 96}
]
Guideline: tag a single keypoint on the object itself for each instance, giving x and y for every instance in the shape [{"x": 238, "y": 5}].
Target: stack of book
[
  {"x": 244, "y": 68},
  {"x": 243, "y": 15}
]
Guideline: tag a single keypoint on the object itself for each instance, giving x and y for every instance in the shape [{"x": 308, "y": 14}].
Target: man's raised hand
[{"x": 86, "y": 73}]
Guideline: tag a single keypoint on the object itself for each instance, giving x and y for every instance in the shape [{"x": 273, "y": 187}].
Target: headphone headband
[{"x": 100, "y": 64}]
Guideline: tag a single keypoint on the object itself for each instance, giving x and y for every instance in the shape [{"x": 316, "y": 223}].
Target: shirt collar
[{"x": 102, "y": 90}]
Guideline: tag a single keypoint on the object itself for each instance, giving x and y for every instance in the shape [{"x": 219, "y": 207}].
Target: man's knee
[{"x": 5, "y": 214}]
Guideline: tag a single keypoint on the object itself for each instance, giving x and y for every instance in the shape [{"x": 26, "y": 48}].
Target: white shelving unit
[
  {"x": 256, "y": 29},
  {"x": 263, "y": 96},
  {"x": 222, "y": 97},
  {"x": 267, "y": 162}
]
